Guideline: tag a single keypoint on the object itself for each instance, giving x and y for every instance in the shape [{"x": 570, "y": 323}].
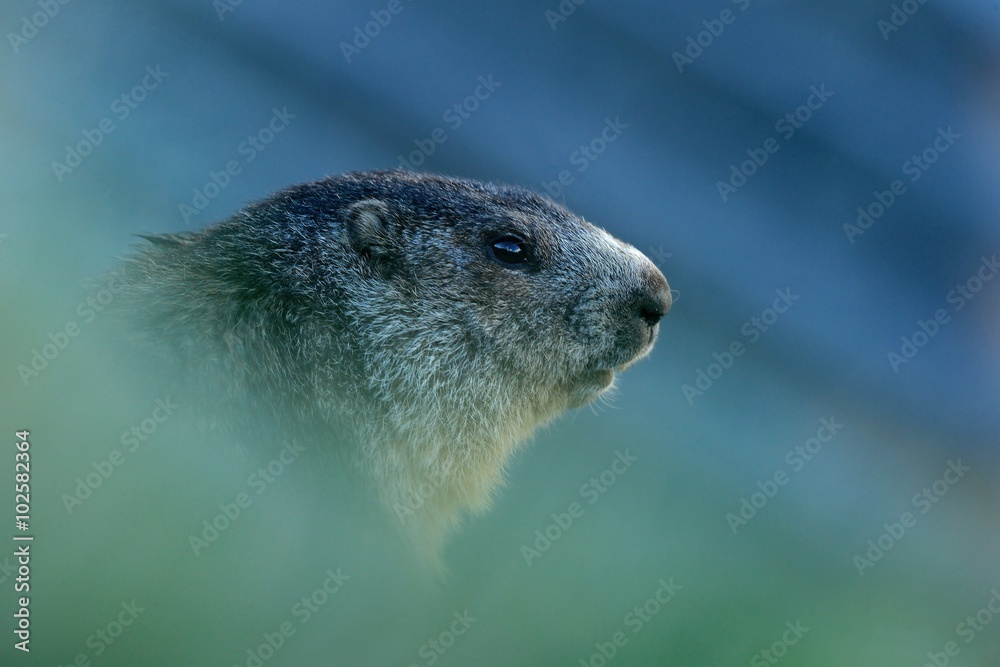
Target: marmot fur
[{"x": 422, "y": 325}]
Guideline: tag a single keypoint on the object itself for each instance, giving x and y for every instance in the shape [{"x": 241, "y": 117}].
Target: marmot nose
[{"x": 654, "y": 302}]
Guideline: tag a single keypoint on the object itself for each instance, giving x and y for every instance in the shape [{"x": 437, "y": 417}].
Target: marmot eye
[{"x": 509, "y": 250}]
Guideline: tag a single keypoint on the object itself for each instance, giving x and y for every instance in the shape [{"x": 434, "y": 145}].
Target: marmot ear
[{"x": 370, "y": 230}]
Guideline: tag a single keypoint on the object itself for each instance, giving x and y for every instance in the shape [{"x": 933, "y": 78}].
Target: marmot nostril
[
  {"x": 655, "y": 303},
  {"x": 651, "y": 313}
]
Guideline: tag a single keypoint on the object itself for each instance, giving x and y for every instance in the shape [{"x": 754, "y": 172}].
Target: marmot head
[
  {"x": 436, "y": 321},
  {"x": 457, "y": 277}
]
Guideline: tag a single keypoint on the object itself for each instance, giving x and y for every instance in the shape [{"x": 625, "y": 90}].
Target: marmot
[{"x": 424, "y": 325}]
